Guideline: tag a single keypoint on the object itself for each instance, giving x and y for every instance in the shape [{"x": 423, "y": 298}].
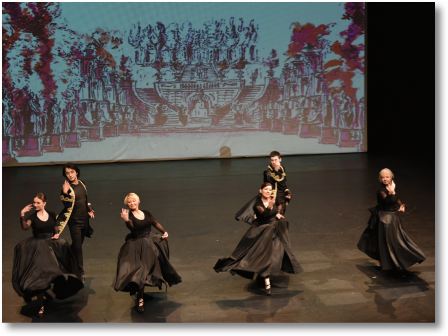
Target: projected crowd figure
[{"x": 179, "y": 78}]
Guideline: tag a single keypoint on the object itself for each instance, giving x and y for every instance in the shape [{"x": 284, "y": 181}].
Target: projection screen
[{"x": 93, "y": 82}]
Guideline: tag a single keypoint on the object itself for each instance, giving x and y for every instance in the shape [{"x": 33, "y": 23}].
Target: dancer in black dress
[
  {"x": 384, "y": 238},
  {"x": 76, "y": 213},
  {"x": 265, "y": 248},
  {"x": 44, "y": 258},
  {"x": 144, "y": 258},
  {"x": 275, "y": 174}
]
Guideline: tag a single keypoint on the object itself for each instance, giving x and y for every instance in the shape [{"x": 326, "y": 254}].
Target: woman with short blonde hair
[
  {"x": 384, "y": 238},
  {"x": 144, "y": 258},
  {"x": 133, "y": 195},
  {"x": 386, "y": 170}
]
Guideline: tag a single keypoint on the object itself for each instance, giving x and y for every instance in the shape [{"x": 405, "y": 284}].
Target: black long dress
[
  {"x": 144, "y": 258},
  {"x": 384, "y": 238},
  {"x": 265, "y": 248},
  {"x": 40, "y": 261}
]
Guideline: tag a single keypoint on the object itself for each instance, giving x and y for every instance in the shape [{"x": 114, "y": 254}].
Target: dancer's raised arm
[{"x": 25, "y": 223}]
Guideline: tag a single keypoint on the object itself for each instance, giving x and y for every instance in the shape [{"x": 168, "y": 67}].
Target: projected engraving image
[{"x": 172, "y": 89}]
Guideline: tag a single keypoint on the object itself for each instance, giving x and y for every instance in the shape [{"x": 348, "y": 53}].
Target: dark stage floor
[{"x": 196, "y": 201}]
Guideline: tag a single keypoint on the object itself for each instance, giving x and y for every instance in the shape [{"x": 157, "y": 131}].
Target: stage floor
[{"x": 196, "y": 201}]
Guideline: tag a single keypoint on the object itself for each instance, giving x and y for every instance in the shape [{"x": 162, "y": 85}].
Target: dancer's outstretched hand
[
  {"x": 165, "y": 235},
  {"x": 391, "y": 187},
  {"x": 65, "y": 187},
  {"x": 56, "y": 236},
  {"x": 29, "y": 207},
  {"x": 276, "y": 166},
  {"x": 125, "y": 214},
  {"x": 91, "y": 214},
  {"x": 279, "y": 216},
  {"x": 401, "y": 208}
]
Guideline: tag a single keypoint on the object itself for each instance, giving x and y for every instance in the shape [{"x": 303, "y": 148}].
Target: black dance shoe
[
  {"x": 40, "y": 314},
  {"x": 268, "y": 290},
  {"x": 140, "y": 307}
]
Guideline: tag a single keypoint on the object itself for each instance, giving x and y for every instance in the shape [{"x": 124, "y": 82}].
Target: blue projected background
[{"x": 89, "y": 82}]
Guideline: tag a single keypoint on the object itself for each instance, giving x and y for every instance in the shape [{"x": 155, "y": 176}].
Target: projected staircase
[
  {"x": 149, "y": 96},
  {"x": 251, "y": 93}
]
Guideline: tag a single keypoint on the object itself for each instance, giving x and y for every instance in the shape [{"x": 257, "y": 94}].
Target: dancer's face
[
  {"x": 266, "y": 191},
  {"x": 38, "y": 204},
  {"x": 275, "y": 160},
  {"x": 386, "y": 178},
  {"x": 71, "y": 174},
  {"x": 132, "y": 203}
]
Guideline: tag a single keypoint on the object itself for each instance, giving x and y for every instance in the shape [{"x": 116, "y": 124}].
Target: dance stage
[{"x": 196, "y": 201}]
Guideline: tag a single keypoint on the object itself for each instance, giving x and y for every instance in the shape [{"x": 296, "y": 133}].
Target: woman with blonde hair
[
  {"x": 144, "y": 258},
  {"x": 384, "y": 238}
]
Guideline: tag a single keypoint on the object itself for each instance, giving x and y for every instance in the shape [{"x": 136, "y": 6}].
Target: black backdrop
[{"x": 401, "y": 109}]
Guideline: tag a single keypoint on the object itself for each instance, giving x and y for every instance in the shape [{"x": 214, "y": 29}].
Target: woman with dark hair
[
  {"x": 76, "y": 213},
  {"x": 384, "y": 238},
  {"x": 44, "y": 258},
  {"x": 265, "y": 248},
  {"x": 144, "y": 257}
]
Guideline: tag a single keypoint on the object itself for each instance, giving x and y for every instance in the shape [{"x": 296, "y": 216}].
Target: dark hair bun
[
  {"x": 41, "y": 196},
  {"x": 265, "y": 184}
]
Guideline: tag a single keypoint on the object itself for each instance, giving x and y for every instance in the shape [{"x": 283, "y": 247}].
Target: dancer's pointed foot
[
  {"x": 140, "y": 307},
  {"x": 268, "y": 290},
  {"x": 267, "y": 284},
  {"x": 40, "y": 314}
]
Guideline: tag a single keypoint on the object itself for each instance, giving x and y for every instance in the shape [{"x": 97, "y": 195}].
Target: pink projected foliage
[{"x": 62, "y": 88}]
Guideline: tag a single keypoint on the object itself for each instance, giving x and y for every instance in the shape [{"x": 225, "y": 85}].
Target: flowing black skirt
[
  {"x": 264, "y": 249},
  {"x": 144, "y": 261},
  {"x": 40, "y": 262},
  {"x": 385, "y": 240}
]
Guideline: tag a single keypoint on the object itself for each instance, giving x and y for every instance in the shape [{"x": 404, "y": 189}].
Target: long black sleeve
[
  {"x": 262, "y": 212},
  {"x": 25, "y": 223},
  {"x": 389, "y": 199},
  {"x": 266, "y": 176},
  {"x": 129, "y": 224},
  {"x": 56, "y": 226},
  {"x": 155, "y": 223},
  {"x": 386, "y": 201}
]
